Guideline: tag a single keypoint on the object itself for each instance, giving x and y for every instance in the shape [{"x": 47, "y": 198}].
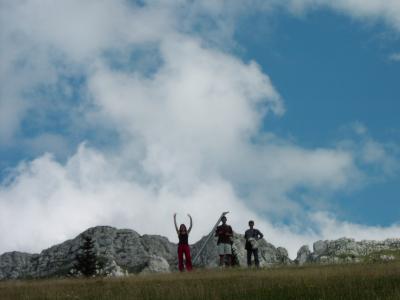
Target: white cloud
[
  {"x": 82, "y": 30},
  {"x": 198, "y": 115},
  {"x": 199, "y": 105},
  {"x": 364, "y": 10},
  {"x": 41, "y": 41},
  {"x": 36, "y": 35},
  {"x": 359, "y": 128},
  {"x": 334, "y": 229},
  {"x": 387, "y": 11},
  {"x": 367, "y": 151},
  {"x": 50, "y": 202},
  {"x": 395, "y": 57}
]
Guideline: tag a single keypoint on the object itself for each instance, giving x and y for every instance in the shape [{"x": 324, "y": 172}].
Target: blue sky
[
  {"x": 280, "y": 111},
  {"x": 332, "y": 71}
]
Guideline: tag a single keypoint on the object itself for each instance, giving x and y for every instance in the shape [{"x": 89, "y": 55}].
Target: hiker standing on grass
[
  {"x": 252, "y": 235},
  {"x": 183, "y": 246},
  {"x": 225, "y": 234}
]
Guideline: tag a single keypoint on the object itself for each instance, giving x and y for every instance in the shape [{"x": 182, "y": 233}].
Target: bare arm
[
  {"x": 176, "y": 226},
  {"x": 191, "y": 223}
]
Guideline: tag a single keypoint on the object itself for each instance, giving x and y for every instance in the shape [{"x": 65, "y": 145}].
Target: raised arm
[
  {"x": 191, "y": 223},
  {"x": 176, "y": 226}
]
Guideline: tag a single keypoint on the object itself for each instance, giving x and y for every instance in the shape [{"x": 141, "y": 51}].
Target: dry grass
[{"x": 363, "y": 281}]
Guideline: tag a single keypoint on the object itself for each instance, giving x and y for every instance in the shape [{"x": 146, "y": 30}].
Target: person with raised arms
[{"x": 183, "y": 245}]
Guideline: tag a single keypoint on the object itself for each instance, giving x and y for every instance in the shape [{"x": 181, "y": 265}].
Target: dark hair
[
  {"x": 223, "y": 217},
  {"x": 182, "y": 228},
  {"x": 251, "y": 222}
]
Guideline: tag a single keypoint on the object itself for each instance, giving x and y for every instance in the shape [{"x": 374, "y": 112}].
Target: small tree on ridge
[{"x": 86, "y": 259}]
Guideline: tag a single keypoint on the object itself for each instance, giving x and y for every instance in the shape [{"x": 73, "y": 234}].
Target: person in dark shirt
[
  {"x": 252, "y": 235},
  {"x": 183, "y": 245},
  {"x": 225, "y": 234}
]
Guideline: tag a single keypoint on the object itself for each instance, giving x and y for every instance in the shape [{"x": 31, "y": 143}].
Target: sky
[{"x": 122, "y": 113}]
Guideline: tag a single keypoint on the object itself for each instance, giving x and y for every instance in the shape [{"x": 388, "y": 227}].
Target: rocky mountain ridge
[
  {"x": 124, "y": 251},
  {"x": 347, "y": 250}
]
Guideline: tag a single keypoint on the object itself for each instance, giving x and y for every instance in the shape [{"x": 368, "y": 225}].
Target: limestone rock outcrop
[
  {"x": 303, "y": 255},
  {"x": 345, "y": 250},
  {"x": 121, "y": 252}
]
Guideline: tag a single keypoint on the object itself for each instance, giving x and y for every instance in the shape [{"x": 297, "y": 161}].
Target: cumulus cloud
[
  {"x": 364, "y": 10},
  {"x": 367, "y": 151},
  {"x": 395, "y": 57},
  {"x": 386, "y": 11},
  {"x": 199, "y": 106},
  {"x": 42, "y": 41},
  {"x": 39, "y": 40},
  {"x": 90, "y": 190},
  {"x": 46, "y": 202},
  {"x": 186, "y": 122}
]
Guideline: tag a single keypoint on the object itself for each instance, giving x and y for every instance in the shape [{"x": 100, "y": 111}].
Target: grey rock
[
  {"x": 111, "y": 269},
  {"x": 156, "y": 264},
  {"x": 124, "y": 251},
  {"x": 283, "y": 256},
  {"x": 384, "y": 257},
  {"x": 346, "y": 250},
  {"x": 320, "y": 247},
  {"x": 303, "y": 255},
  {"x": 15, "y": 265}
]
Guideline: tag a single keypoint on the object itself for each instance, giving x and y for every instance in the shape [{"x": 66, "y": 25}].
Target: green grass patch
[{"x": 349, "y": 281}]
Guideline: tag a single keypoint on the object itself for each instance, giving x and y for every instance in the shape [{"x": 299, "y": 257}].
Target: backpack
[{"x": 251, "y": 242}]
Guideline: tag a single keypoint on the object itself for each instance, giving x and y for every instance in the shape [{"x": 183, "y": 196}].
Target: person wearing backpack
[{"x": 252, "y": 236}]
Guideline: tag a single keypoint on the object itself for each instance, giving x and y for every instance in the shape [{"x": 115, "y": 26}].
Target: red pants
[{"x": 184, "y": 249}]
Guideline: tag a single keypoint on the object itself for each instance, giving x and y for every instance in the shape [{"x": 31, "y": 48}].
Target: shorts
[{"x": 224, "y": 249}]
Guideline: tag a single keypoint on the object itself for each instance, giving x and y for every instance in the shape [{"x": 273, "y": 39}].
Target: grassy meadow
[{"x": 351, "y": 281}]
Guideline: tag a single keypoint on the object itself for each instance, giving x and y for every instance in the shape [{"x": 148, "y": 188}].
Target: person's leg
[
  {"x": 221, "y": 253},
  {"x": 188, "y": 258},
  {"x": 180, "y": 257},
  {"x": 221, "y": 260},
  {"x": 257, "y": 262},
  {"x": 228, "y": 253},
  {"x": 249, "y": 258},
  {"x": 229, "y": 261}
]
